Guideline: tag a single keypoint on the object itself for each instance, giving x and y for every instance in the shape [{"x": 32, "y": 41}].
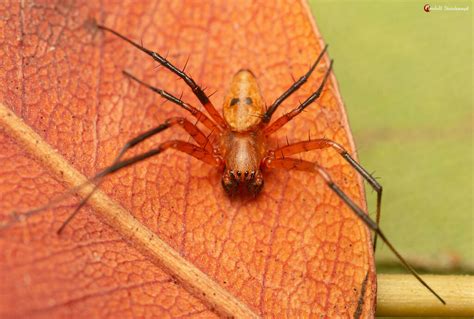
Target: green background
[{"x": 406, "y": 79}]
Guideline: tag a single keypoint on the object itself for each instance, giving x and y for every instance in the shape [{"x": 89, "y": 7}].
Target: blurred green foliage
[{"x": 406, "y": 79}]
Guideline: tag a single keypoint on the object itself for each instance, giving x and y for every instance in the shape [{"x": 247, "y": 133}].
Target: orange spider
[{"x": 237, "y": 143}]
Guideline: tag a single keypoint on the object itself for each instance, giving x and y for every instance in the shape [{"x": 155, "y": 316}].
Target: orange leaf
[{"x": 295, "y": 250}]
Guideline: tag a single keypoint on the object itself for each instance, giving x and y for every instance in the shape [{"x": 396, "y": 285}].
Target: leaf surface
[{"x": 295, "y": 250}]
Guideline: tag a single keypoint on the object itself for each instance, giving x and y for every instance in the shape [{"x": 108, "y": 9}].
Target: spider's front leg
[
  {"x": 322, "y": 143},
  {"x": 204, "y": 152},
  {"x": 302, "y": 165}
]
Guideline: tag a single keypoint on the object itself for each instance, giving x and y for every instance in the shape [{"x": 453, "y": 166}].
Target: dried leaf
[{"x": 295, "y": 250}]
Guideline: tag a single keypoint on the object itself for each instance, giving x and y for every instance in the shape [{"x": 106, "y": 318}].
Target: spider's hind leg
[
  {"x": 197, "y": 90},
  {"x": 293, "y": 88},
  {"x": 200, "y": 117}
]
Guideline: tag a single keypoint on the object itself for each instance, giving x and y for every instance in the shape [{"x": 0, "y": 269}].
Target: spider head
[{"x": 252, "y": 181}]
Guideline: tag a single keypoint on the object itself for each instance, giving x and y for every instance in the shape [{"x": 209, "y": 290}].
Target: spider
[{"x": 237, "y": 143}]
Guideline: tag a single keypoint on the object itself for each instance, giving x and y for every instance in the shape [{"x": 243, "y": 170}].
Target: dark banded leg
[
  {"x": 306, "y": 146},
  {"x": 273, "y": 127},
  {"x": 201, "y": 117},
  {"x": 268, "y": 114},
  {"x": 301, "y": 165},
  {"x": 203, "y": 98},
  {"x": 190, "y": 128}
]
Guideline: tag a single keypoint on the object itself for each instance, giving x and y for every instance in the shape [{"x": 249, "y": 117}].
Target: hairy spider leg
[
  {"x": 301, "y": 165},
  {"x": 273, "y": 127},
  {"x": 293, "y": 88},
  {"x": 198, "y": 92},
  {"x": 190, "y": 128},
  {"x": 201, "y": 117},
  {"x": 305, "y": 146}
]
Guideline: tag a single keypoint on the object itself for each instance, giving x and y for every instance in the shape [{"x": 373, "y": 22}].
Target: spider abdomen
[{"x": 243, "y": 106}]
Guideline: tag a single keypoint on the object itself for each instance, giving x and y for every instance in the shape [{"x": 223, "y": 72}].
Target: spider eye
[
  {"x": 248, "y": 100},
  {"x": 234, "y": 101}
]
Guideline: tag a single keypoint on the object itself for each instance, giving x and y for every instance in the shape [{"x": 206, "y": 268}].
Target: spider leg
[
  {"x": 201, "y": 117},
  {"x": 290, "y": 115},
  {"x": 190, "y": 128},
  {"x": 301, "y": 165},
  {"x": 203, "y": 98},
  {"x": 314, "y": 144},
  {"x": 188, "y": 148},
  {"x": 268, "y": 114}
]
